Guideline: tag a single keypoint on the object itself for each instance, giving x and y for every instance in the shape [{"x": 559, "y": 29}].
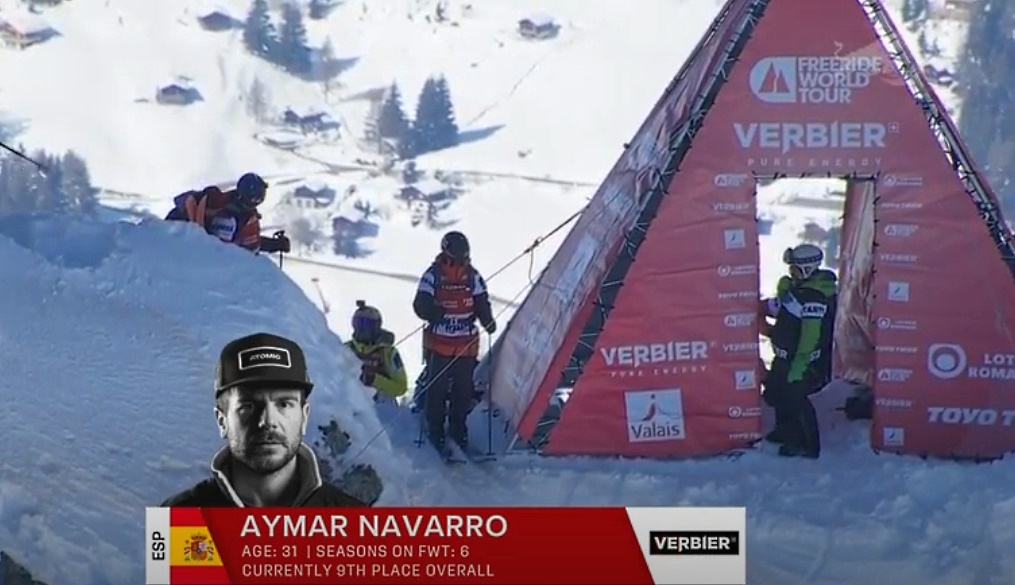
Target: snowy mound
[{"x": 108, "y": 339}]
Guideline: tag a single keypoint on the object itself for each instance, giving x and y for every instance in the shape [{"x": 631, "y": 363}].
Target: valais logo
[{"x": 654, "y": 415}]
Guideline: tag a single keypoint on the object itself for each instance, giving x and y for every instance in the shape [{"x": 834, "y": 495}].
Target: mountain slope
[{"x": 108, "y": 340}]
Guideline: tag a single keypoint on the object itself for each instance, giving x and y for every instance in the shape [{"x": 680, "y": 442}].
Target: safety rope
[
  {"x": 433, "y": 378},
  {"x": 528, "y": 251},
  {"x": 421, "y": 395}
]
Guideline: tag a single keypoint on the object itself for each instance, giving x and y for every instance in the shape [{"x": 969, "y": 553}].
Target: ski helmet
[
  {"x": 251, "y": 190},
  {"x": 366, "y": 322},
  {"x": 455, "y": 246},
  {"x": 803, "y": 260}
]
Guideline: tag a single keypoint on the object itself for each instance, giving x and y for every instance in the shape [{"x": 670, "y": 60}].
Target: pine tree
[
  {"x": 391, "y": 121},
  {"x": 19, "y": 194},
  {"x": 51, "y": 197},
  {"x": 446, "y": 133},
  {"x": 922, "y": 10},
  {"x": 258, "y": 31},
  {"x": 914, "y": 13},
  {"x": 293, "y": 52},
  {"x": 323, "y": 65},
  {"x": 77, "y": 183},
  {"x": 988, "y": 73},
  {"x": 318, "y": 9},
  {"x": 908, "y": 11},
  {"x": 40, "y": 197},
  {"x": 425, "y": 125}
]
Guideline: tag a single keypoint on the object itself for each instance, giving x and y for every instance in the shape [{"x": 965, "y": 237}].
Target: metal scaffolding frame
[
  {"x": 943, "y": 130},
  {"x": 938, "y": 121}
]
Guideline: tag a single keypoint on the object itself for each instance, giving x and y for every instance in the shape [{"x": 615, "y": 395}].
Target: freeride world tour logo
[
  {"x": 813, "y": 79},
  {"x": 828, "y": 86}
]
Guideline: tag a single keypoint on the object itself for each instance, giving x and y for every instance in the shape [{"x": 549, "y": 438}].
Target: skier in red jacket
[
  {"x": 232, "y": 215},
  {"x": 451, "y": 297}
]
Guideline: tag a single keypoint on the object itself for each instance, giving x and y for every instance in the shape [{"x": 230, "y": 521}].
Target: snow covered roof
[
  {"x": 184, "y": 84},
  {"x": 539, "y": 19},
  {"x": 429, "y": 186},
  {"x": 307, "y": 112},
  {"x": 316, "y": 185},
  {"x": 25, "y": 23},
  {"x": 210, "y": 9}
]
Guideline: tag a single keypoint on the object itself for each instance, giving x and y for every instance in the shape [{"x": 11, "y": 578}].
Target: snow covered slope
[
  {"x": 108, "y": 342},
  {"x": 108, "y": 339},
  {"x": 570, "y": 102},
  {"x": 512, "y": 89},
  {"x": 850, "y": 518}
]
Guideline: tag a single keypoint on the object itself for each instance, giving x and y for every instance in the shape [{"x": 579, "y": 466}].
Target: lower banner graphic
[{"x": 522, "y": 546}]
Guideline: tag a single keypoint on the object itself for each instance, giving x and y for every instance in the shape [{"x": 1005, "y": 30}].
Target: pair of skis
[
  {"x": 451, "y": 452},
  {"x": 454, "y": 454}
]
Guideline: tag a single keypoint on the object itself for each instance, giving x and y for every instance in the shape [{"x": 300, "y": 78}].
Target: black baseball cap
[{"x": 262, "y": 360}]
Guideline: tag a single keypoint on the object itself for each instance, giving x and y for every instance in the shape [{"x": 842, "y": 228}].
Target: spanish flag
[{"x": 180, "y": 549}]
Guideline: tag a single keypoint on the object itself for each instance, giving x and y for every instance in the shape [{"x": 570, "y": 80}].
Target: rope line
[
  {"x": 434, "y": 378},
  {"x": 528, "y": 251}
]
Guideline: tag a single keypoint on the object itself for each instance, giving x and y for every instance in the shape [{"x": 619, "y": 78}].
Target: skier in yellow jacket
[{"x": 382, "y": 368}]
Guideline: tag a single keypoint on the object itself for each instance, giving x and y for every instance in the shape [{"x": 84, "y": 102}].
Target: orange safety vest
[{"x": 456, "y": 333}]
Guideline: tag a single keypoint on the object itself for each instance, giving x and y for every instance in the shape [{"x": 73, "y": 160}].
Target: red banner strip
[{"x": 520, "y": 546}]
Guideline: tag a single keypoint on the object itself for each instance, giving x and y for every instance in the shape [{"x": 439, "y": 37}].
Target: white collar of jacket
[{"x": 307, "y": 470}]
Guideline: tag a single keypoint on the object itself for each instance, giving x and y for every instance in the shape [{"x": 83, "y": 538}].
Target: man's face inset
[{"x": 264, "y": 427}]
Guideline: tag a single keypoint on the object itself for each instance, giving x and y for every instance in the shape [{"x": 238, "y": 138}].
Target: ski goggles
[
  {"x": 790, "y": 257},
  {"x": 800, "y": 267},
  {"x": 801, "y": 271},
  {"x": 365, "y": 325}
]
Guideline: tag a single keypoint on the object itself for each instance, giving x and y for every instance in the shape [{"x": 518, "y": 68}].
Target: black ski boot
[
  {"x": 777, "y": 435},
  {"x": 784, "y": 427},
  {"x": 787, "y": 450},
  {"x": 461, "y": 444},
  {"x": 438, "y": 442}
]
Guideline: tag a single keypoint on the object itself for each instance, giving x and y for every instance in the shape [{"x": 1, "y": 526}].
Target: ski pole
[
  {"x": 489, "y": 399},
  {"x": 281, "y": 254}
]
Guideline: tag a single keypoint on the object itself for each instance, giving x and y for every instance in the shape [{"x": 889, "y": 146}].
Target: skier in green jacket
[{"x": 804, "y": 312}]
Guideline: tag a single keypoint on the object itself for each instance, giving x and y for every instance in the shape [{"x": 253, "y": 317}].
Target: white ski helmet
[{"x": 803, "y": 260}]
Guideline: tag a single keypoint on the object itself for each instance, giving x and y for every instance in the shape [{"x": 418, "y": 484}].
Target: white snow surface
[
  {"x": 100, "y": 428},
  {"x": 108, "y": 339},
  {"x": 108, "y": 342}
]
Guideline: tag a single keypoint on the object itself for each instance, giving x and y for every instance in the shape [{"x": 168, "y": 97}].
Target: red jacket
[
  {"x": 216, "y": 212},
  {"x": 451, "y": 298}
]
